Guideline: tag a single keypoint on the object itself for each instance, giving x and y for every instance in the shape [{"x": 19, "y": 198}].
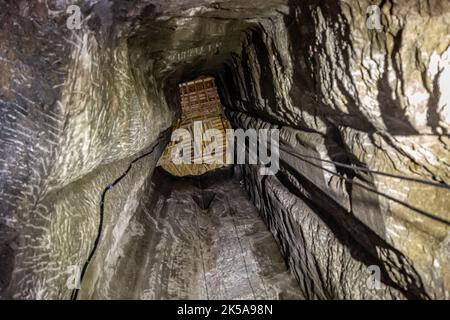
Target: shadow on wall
[
  {"x": 394, "y": 117},
  {"x": 365, "y": 245},
  {"x": 306, "y": 92}
]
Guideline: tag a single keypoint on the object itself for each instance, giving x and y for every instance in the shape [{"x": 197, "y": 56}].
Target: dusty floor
[{"x": 223, "y": 251}]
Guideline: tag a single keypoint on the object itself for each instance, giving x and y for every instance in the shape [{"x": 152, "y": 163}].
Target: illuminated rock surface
[
  {"x": 195, "y": 238},
  {"x": 78, "y": 106}
]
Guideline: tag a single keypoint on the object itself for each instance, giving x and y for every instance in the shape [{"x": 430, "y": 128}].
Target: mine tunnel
[{"x": 95, "y": 96}]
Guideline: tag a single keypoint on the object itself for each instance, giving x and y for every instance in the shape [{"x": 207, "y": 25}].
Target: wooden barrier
[{"x": 199, "y": 102}]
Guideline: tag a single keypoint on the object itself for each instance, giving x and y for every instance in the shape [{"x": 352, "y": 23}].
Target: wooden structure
[{"x": 200, "y": 102}]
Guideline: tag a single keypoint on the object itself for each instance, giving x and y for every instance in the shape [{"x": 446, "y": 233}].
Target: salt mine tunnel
[{"x": 94, "y": 206}]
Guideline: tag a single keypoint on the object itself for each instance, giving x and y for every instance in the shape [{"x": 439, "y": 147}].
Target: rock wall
[
  {"x": 340, "y": 92},
  {"x": 77, "y": 106},
  {"x": 75, "y": 113}
]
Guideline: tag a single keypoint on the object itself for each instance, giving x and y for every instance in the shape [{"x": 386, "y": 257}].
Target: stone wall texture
[
  {"x": 341, "y": 92},
  {"x": 78, "y": 106}
]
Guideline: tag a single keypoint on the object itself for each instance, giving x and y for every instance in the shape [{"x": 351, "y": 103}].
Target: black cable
[
  {"x": 354, "y": 167},
  {"x": 429, "y": 215},
  {"x": 75, "y": 292}
]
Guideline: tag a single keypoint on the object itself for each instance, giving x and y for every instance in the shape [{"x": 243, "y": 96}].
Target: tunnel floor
[{"x": 201, "y": 238}]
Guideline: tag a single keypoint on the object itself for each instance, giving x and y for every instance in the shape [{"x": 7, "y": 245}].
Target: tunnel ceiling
[
  {"x": 189, "y": 39},
  {"x": 87, "y": 112}
]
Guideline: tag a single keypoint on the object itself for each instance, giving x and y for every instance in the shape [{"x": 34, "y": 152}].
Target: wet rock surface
[
  {"x": 195, "y": 238},
  {"x": 340, "y": 92},
  {"x": 77, "y": 106}
]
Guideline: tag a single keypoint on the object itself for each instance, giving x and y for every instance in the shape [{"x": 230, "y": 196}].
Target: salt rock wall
[
  {"x": 78, "y": 106},
  {"x": 341, "y": 92},
  {"x": 74, "y": 114}
]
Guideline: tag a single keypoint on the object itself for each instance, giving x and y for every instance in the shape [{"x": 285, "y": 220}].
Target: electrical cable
[
  {"x": 75, "y": 291},
  {"x": 429, "y": 215},
  {"x": 355, "y": 167}
]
